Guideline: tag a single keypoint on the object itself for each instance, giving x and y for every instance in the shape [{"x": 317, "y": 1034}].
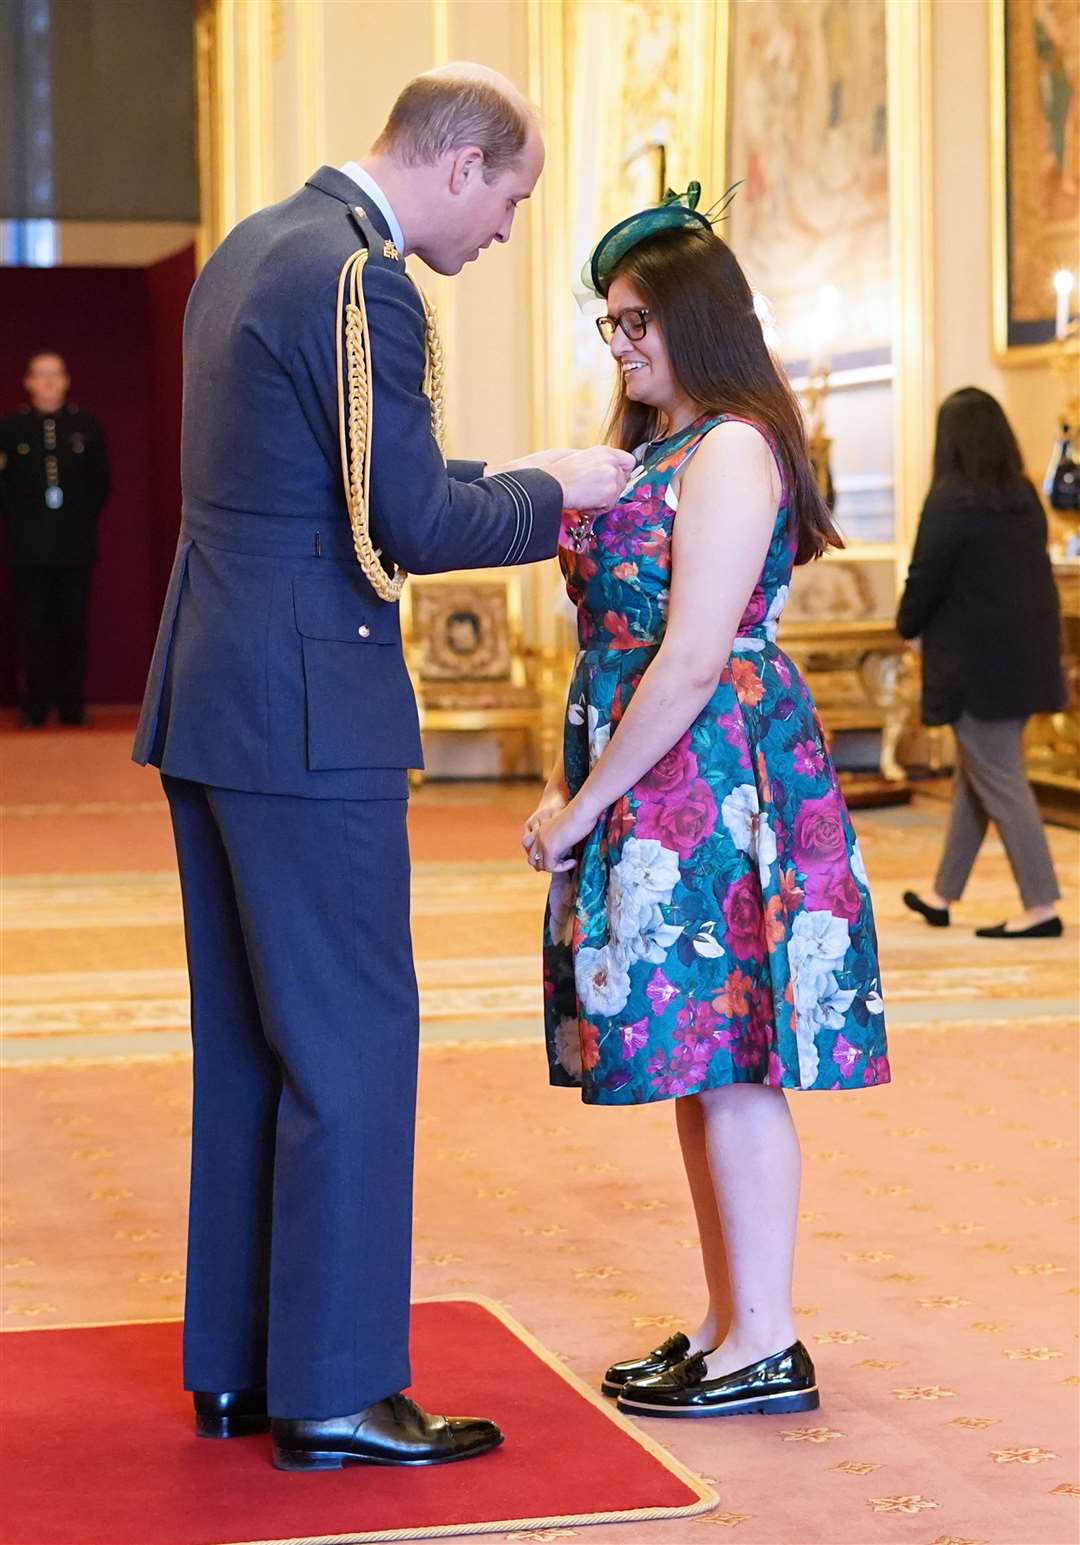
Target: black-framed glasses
[{"x": 634, "y": 321}]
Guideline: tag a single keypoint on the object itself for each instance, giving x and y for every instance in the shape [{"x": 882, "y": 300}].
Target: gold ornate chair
[{"x": 469, "y": 665}]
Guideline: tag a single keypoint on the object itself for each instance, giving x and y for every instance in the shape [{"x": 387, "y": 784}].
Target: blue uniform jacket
[{"x": 277, "y": 669}]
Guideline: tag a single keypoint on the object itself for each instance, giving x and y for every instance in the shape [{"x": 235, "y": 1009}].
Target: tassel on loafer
[
  {"x": 230, "y": 1413},
  {"x": 659, "y": 1360},
  {"x": 782, "y": 1383}
]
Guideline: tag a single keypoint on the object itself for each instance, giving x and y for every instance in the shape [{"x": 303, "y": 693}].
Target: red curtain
[{"x": 120, "y": 331}]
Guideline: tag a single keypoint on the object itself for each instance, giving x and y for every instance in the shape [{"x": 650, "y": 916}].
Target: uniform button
[{"x": 364, "y": 631}]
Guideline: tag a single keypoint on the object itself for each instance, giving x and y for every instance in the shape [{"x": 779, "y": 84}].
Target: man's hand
[{"x": 592, "y": 479}]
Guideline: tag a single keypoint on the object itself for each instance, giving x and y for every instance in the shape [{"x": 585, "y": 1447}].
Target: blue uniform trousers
[{"x": 305, "y": 1031}]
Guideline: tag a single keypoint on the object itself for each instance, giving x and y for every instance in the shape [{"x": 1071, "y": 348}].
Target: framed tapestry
[
  {"x": 1035, "y": 170},
  {"x": 808, "y": 136},
  {"x": 827, "y": 128},
  {"x": 823, "y": 110}
]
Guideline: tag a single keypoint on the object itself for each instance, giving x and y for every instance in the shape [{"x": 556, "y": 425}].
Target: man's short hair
[
  {"x": 435, "y": 114},
  {"x": 44, "y": 354}
]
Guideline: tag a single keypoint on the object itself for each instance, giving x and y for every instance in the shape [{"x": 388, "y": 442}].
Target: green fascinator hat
[{"x": 676, "y": 211}]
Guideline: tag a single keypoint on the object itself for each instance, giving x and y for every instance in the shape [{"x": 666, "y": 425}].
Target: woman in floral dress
[{"x": 709, "y": 935}]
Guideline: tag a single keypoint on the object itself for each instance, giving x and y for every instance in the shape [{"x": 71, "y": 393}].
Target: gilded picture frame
[{"x": 1035, "y": 169}]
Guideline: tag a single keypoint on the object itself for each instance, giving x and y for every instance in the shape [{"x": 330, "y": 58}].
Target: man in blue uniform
[
  {"x": 280, "y": 713},
  {"x": 54, "y": 481}
]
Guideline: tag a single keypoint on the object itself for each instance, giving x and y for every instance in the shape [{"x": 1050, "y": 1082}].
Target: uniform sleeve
[
  {"x": 465, "y": 471},
  {"x": 98, "y": 480},
  {"x": 943, "y": 527},
  {"x": 422, "y": 516}
]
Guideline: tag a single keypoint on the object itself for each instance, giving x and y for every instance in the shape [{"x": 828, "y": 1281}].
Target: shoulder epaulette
[{"x": 376, "y": 244}]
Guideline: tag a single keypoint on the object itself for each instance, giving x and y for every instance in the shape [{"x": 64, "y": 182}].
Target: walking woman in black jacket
[{"x": 980, "y": 594}]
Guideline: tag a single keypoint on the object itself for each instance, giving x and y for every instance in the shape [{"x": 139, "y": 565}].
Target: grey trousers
[{"x": 991, "y": 785}]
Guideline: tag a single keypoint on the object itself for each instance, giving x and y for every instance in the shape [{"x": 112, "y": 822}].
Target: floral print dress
[{"x": 717, "y": 928}]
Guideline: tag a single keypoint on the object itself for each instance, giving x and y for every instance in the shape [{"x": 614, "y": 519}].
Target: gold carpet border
[{"x": 707, "y": 1497}]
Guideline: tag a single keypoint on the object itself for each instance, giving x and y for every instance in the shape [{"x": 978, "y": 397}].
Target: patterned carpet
[{"x": 936, "y": 1279}]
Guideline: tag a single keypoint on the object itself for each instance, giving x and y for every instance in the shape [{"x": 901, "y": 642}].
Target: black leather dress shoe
[
  {"x": 937, "y": 917},
  {"x": 395, "y": 1431},
  {"x": 230, "y": 1413},
  {"x": 659, "y": 1360},
  {"x": 1049, "y": 928},
  {"x": 785, "y": 1382}
]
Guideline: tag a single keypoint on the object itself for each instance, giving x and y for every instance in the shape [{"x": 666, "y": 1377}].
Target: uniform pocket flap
[{"x": 335, "y": 608}]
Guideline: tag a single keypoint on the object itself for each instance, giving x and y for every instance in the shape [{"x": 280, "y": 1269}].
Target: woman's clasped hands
[{"x": 554, "y": 830}]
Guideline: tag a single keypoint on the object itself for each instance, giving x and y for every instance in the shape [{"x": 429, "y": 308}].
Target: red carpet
[{"x": 99, "y": 1448}]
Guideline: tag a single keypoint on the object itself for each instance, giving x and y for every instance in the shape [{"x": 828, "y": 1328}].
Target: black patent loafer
[
  {"x": 659, "y": 1360},
  {"x": 395, "y": 1431},
  {"x": 1049, "y": 928},
  {"x": 230, "y": 1413},
  {"x": 937, "y": 917},
  {"x": 783, "y": 1383}
]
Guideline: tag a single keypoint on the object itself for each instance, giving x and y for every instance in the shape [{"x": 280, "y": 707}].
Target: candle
[
  {"x": 1063, "y": 284},
  {"x": 766, "y": 316}
]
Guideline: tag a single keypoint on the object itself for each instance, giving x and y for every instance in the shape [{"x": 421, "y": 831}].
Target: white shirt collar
[{"x": 365, "y": 180}]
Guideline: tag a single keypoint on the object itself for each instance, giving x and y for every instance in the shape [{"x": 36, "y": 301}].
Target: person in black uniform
[{"x": 54, "y": 481}]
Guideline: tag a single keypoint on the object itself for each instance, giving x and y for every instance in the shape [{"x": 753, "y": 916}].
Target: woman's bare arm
[{"x": 727, "y": 508}]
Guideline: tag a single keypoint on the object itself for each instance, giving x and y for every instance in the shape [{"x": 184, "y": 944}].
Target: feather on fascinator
[{"x": 676, "y": 211}]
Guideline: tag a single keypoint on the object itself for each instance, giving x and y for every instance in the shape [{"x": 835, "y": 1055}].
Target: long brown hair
[
  {"x": 694, "y": 286},
  {"x": 975, "y": 448}
]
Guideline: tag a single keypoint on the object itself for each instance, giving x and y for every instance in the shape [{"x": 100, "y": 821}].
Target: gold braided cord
[
  {"x": 355, "y": 414},
  {"x": 435, "y": 373}
]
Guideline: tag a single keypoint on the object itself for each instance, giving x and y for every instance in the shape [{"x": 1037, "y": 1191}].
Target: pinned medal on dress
[{"x": 580, "y": 535}]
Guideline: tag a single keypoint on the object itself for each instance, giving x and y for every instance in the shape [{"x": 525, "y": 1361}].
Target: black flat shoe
[
  {"x": 395, "y": 1431},
  {"x": 230, "y": 1413},
  {"x": 785, "y": 1382},
  {"x": 937, "y": 917},
  {"x": 659, "y": 1360},
  {"x": 1049, "y": 928}
]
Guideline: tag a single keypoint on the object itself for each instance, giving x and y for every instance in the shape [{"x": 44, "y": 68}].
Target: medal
[
  {"x": 580, "y": 535},
  {"x": 54, "y": 494}
]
